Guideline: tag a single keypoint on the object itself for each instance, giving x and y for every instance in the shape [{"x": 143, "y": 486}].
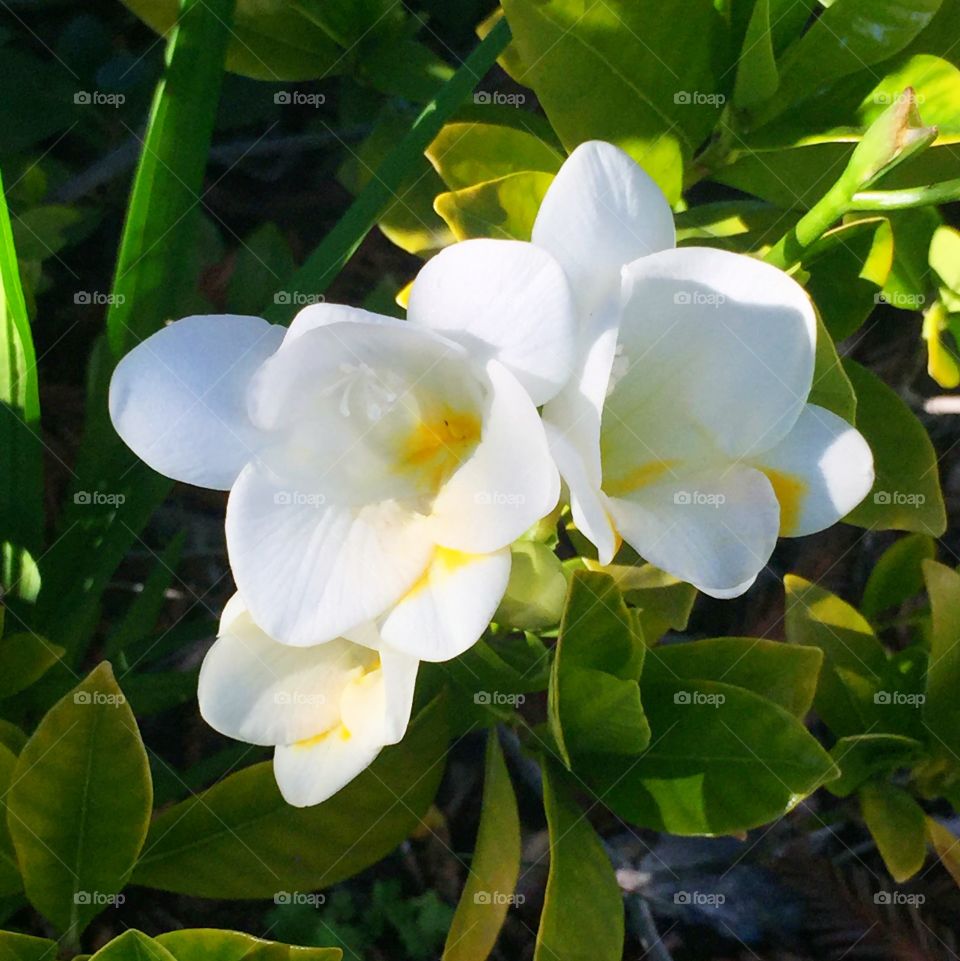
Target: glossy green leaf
[
  {"x": 906, "y": 494},
  {"x": 898, "y": 825},
  {"x": 898, "y": 574},
  {"x": 23, "y": 947},
  {"x": 494, "y": 868},
  {"x": 863, "y": 756},
  {"x": 757, "y": 75},
  {"x": 831, "y": 386},
  {"x": 721, "y": 760},
  {"x": 941, "y": 711},
  {"x": 536, "y": 590},
  {"x": 21, "y": 469},
  {"x": 854, "y": 660},
  {"x": 133, "y": 945},
  {"x": 465, "y": 154},
  {"x": 263, "y": 264},
  {"x": 910, "y": 281},
  {"x": 785, "y": 674},
  {"x": 240, "y": 839},
  {"x": 582, "y": 909},
  {"x": 742, "y": 226},
  {"x": 211, "y": 944},
  {"x": 80, "y": 803},
  {"x": 25, "y": 658},
  {"x": 594, "y": 700},
  {"x": 10, "y": 882},
  {"x": 504, "y": 208},
  {"x": 623, "y": 72}
]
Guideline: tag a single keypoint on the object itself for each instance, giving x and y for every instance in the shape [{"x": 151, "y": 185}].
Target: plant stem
[
  {"x": 942, "y": 193},
  {"x": 323, "y": 265}
]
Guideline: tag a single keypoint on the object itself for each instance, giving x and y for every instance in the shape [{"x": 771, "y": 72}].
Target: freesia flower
[
  {"x": 378, "y": 469},
  {"x": 685, "y": 431},
  {"x": 328, "y": 709}
]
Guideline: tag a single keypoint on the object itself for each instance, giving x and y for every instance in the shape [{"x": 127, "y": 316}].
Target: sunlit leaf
[
  {"x": 898, "y": 825},
  {"x": 941, "y": 710},
  {"x": 504, "y": 208}
]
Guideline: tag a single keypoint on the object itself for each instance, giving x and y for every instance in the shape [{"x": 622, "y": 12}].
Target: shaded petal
[
  {"x": 257, "y": 690},
  {"x": 601, "y": 211},
  {"x": 310, "y": 571},
  {"x": 716, "y": 338},
  {"x": 820, "y": 471},
  {"x": 509, "y": 482},
  {"x": 179, "y": 398},
  {"x": 399, "y": 680},
  {"x": 504, "y": 299},
  {"x": 714, "y": 528},
  {"x": 447, "y": 610}
]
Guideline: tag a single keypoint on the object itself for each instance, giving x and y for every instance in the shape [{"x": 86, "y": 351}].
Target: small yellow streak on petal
[
  {"x": 340, "y": 731},
  {"x": 444, "y": 563},
  {"x": 435, "y": 448},
  {"x": 637, "y": 478},
  {"x": 790, "y": 491}
]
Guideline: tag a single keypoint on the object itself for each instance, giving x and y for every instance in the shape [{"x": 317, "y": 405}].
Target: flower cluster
[{"x": 379, "y": 470}]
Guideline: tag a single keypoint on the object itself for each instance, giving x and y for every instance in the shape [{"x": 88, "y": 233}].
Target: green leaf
[
  {"x": 906, "y": 494},
  {"x": 757, "y": 76},
  {"x": 263, "y": 264},
  {"x": 240, "y": 839},
  {"x": 270, "y": 39},
  {"x": 848, "y": 36},
  {"x": 211, "y": 944},
  {"x": 25, "y": 658},
  {"x": 941, "y": 710},
  {"x": 898, "y": 825},
  {"x": 494, "y": 868},
  {"x": 620, "y": 71},
  {"x": 785, "y": 674},
  {"x": 594, "y": 700},
  {"x": 80, "y": 803},
  {"x": 854, "y": 660},
  {"x": 721, "y": 760},
  {"x": 10, "y": 882},
  {"x": 582, "y": 908},
  {"x": 504, "y": 208},
  {"x": 863, "y": 756},
  {"x": 133, "y": 945},
  {"x": 898, "y": 574},
  {"x": 831, "y": 386},
  {"x": 465, "y": 154},
  {"x": 21, "y": 469},
  {"x": 23, "y": 947},
  {"x": 536, "y": 590}
]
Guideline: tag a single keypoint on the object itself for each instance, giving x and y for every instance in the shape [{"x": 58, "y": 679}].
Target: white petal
[
  {"x": 179, "y": 398},
  {"x": 257, "y": 690},
  {"x": 399, "y": 680},
  {"x": 504, "y": 299},
  {"x": 727, "y": 339},
  {"x": 310, "y": 571},
  {"x": 447, "y": 610},
  {"x": 508, "y": 483},
  {"x": 601, "y": 212},
  {"x": 319, "y": 315},
  {"x": 714, "y": 528},
  {"x": 820, "y": 471}
]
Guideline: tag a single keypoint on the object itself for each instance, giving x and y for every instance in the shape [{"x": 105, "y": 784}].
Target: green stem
[
  {"x": 942, "y": 193},
  {"x": 338, "y": 246}
]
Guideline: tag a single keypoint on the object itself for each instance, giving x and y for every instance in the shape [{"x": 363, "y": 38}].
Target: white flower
[
  {"x": 378, "y": 469},
  {"x": 328, "y": 709},
  {"x": 685, "y": 430}
]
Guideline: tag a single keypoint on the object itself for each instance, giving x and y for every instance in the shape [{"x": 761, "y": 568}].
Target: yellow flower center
[{"x": 438, "y": 445}]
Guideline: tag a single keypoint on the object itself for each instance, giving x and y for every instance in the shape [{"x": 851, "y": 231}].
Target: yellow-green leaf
[
  {"x": 897, "y": 824},
  {"x": 505, "y": 208}
]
